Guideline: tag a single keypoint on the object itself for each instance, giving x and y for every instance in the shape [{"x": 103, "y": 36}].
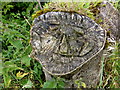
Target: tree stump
[
  {"x": 68, "y": 45},
  {"x": 110, "y": 16}
]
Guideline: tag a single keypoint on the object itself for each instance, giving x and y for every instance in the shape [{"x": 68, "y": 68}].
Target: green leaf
[
  {"x": 46, "y": 5},
  {"x": 26, "y": 60},
  {"x": 50, "y": 84},
  {"x": 37, "y": 69},
  {"x": 83, "y": 84},
  {"x": 28, "y": 50},
  {"x": 81, "y": 4},
  {"x": 61, "y": 84},
  {"x": 20, "y": 36},
  {"x": 9, "y": 67},
  {"x": 9, "y": 6},
  {"x": 17, "y": 43},
  {"x": 7, "y": 80},
  {"x": 87, "y": 5},
  {"x": 23, "y": 81},
  {"x": 14, "y": 31},
  {"x": 29, "y": 84}
]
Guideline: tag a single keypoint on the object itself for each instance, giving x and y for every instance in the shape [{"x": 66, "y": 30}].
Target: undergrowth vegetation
[{"x": 17, "y": 69}]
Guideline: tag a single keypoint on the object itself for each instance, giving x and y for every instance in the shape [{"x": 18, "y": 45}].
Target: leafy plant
[
  {"x": 79, "y": 83},
  {"x": 116, "y": 4},
  {"x": 17, "y": 69},
  {"x": 54, "y": 83},
  {"x": 6, "y": 7}
]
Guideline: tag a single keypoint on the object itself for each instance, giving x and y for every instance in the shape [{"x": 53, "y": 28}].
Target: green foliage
[
  {"x": 54, "y": 83},
  {"x": 8, "y": 67},
  {"x": 79, "y": 83},
  {"x": 114, "y": 65},
  {"x": 17, "y": 69},
  {"x": 111, "y": 69},
  {"x": 79, "y": 7},
  {"x": 6, "y": 7},
  {"x": 29, "y": 84},
  {"x": 117, "y": 4},
  {"x": 87, "y": 8}
]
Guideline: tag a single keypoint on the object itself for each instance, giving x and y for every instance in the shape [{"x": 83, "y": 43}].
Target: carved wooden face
[{"x": 63, "y": 42}]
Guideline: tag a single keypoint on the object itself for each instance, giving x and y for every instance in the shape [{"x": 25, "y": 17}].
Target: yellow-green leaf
[
  {"x": 21, "y": 74},
  {"x": 83, "y": 84}
]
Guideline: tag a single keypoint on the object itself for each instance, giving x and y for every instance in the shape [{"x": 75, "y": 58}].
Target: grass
[
  {"x": 110, "y": 72},
  {"x": 18, "y": 70},
  {"x": 112, "y": 69}
]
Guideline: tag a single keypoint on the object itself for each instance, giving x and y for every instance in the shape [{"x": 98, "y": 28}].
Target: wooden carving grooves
[{"x": 62, "y": 42}]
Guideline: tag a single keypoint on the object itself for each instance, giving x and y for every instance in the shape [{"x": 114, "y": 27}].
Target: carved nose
[
  {"x": 63, "y": 45},
  {"x": 68, "y": 46}
]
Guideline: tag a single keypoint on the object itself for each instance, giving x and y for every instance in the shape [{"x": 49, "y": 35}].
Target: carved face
[{"x": 63, "y": 41}]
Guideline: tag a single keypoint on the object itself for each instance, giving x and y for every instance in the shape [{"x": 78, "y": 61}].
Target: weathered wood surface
[
  {"x": 69, "y": 45},
  {"x": 111, "y": 22},
  {"x": 52, "y": 38},
  {"x": 111, "y": 19}
]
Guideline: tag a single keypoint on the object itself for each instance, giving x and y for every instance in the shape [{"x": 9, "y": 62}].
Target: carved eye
[
  {"x": 47, "y": 39},
  {"x": 47, "y": 42}
]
